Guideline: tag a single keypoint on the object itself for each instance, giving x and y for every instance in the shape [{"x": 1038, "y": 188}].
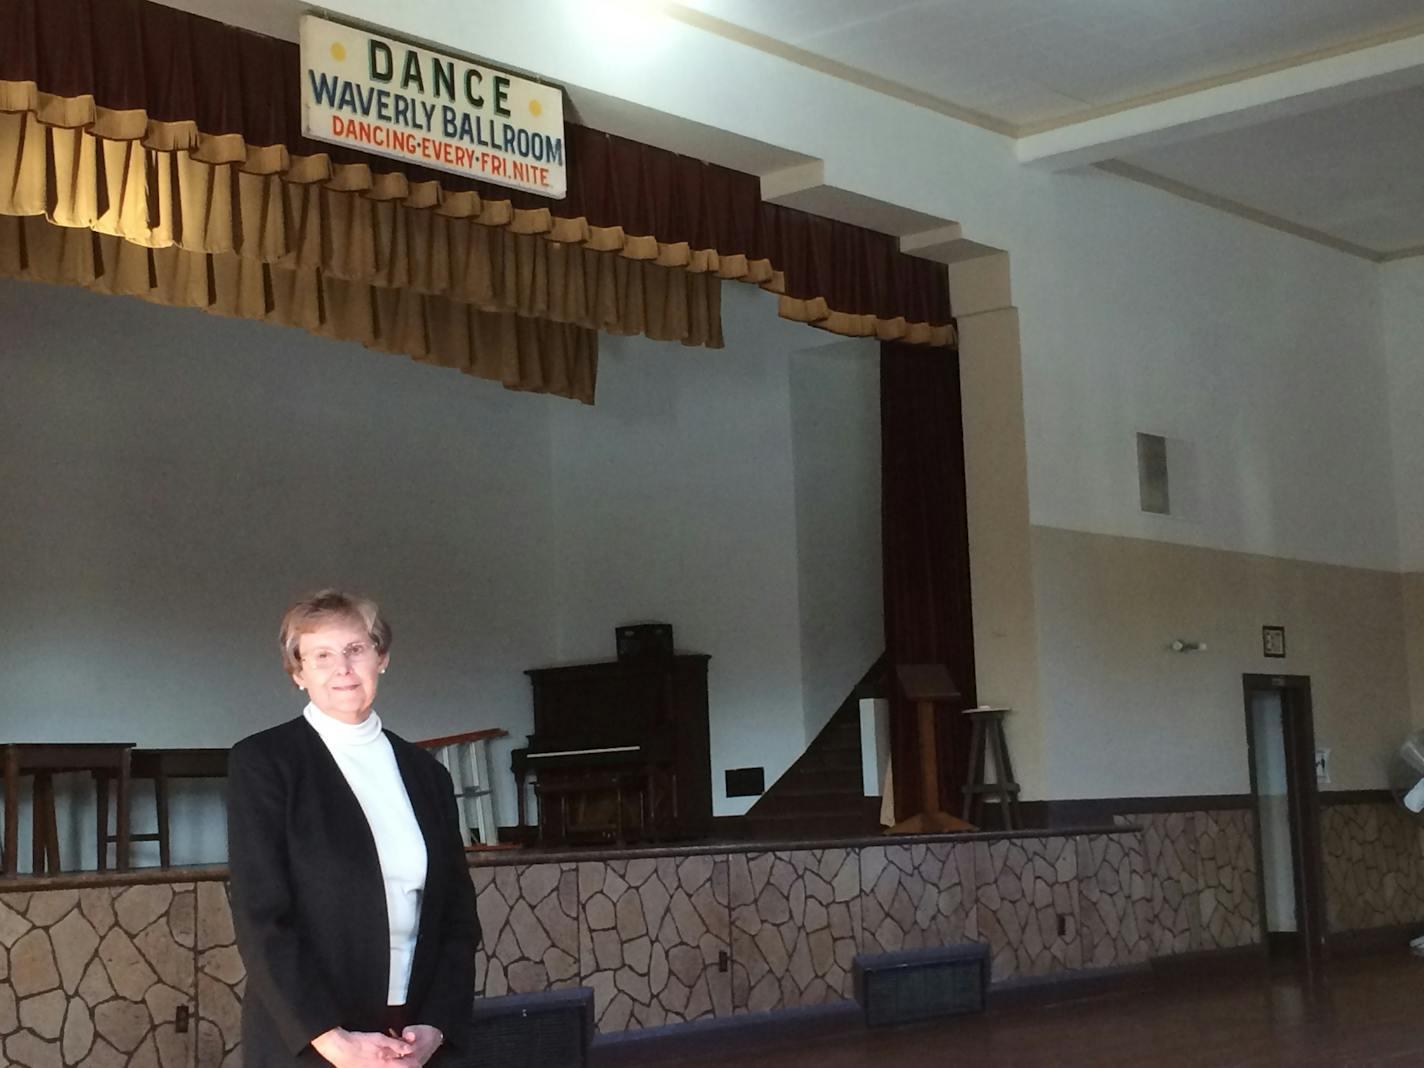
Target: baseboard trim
[
  {"x": 1355, "y": 797},
  {"x": 748, "y": 1030},
  {"x": 1098, "y": 811},
  {"x": 754, "y": 1030},
  {"x": 1374, "y": 939},
  {"x": 1066, "y": 986}
]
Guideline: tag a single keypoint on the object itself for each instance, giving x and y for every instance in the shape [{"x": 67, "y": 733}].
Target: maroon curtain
[
  {"x": 134, "y": 54},
  {"x": 925, "y": 535}
]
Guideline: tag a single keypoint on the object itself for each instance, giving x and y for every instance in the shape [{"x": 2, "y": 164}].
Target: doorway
[{"x": 1290, "y": 887}]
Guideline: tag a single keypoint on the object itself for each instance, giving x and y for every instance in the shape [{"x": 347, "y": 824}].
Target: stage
[{"x": 717, "y": 930}]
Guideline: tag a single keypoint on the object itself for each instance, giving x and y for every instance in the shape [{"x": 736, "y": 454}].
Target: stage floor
[{"x": 1362, "y": 1012}]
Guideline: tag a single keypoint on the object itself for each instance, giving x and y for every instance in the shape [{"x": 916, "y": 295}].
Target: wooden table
[
  {"x": 160, "y": 765},
  {"x": 43, "y": 760}
]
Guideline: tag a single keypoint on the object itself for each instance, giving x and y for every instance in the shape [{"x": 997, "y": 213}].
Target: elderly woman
[{"x": 352, "y": 900}]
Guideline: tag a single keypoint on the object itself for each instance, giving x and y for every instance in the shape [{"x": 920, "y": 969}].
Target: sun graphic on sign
[
  {"x": 338, "y": 51},
  {"x": 535, "y": 108}
]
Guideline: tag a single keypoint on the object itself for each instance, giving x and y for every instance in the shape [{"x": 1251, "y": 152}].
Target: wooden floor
[{"x": 1362, "y": 1011}]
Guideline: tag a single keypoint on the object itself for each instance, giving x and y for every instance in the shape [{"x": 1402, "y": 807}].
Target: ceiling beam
[{"x": 1320, "y": 83}]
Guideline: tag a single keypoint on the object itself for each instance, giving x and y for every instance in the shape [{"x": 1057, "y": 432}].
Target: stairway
[{"x": 821, "y": 795}]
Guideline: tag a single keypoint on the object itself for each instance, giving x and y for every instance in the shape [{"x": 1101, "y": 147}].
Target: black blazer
[{"x": 309, "y": 904}]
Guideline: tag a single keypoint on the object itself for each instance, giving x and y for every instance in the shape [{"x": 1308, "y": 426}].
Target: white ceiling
[
  {"x": 1345, "y": 173},
  {"x": 1028, "y": 62},
  {"x": 1355, "y": 171}
]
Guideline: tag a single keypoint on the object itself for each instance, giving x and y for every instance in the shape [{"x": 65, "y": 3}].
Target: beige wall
[
  {"x": 996, "y": 487},
  {"x": 1124, "y": 716},
  {"x": 1413, "y": 602}
]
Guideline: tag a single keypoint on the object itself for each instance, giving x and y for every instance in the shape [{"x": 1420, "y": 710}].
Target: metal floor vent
[
  {"x": 551, "y": 1029},
  {"x": 921, "y": 984}
]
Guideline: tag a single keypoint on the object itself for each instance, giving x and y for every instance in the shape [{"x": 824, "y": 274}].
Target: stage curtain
[
  {"x": 186, "y": 104},
  {"x": 925, "y": 539},
  {"x": 522, "y": 353}
]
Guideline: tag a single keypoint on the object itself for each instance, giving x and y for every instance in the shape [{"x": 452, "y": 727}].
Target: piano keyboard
[{"x": 586, "y": 752}]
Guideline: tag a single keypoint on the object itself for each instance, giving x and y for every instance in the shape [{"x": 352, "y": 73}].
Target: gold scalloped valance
[{"x": 174, "y": 141}]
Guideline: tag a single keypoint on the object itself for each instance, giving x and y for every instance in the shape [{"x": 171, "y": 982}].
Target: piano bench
[{"x": 621, "y": 785}]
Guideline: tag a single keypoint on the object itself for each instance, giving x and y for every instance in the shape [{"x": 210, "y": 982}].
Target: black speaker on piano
[
  {"x": 644, "y": 641},
  {"x": 550, "y": 1029}
]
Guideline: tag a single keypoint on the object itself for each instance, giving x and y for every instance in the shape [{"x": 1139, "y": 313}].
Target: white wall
[
  {"x": 171, "y": 481},
  {"x": 1145, "y": 312},
  {"x": 1402, "y": 321},
  {"x": 1402, "y": 318},
  {"x": 675, "y": 501},
  {"x": 835, "y": 428}
]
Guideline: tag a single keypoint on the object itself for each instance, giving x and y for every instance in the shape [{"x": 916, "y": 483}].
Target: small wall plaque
[{"x": 1273, "y": 642}]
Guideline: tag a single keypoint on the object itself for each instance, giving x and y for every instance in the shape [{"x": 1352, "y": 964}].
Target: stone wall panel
[
  {"x": 1027, "y": 905},
  {"x": 81, "y": 991},
  {"x": 1115, "y": 916},
  {"x": 654, "y": 940},
  {"x": 796, "y": 925}
]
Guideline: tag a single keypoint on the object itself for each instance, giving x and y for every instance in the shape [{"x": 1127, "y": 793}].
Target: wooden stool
[
  {"x": 160, "y": 765},
  {"x": 988, "y": 735},
  {"x": 466, "y": 758},
  {"x": 43, "y": 760}
]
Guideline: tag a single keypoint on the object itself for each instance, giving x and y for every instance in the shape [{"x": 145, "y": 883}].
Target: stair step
[
  {"x": 839, "y": 759},
  {"x": 813, "y": 804},
  {"x": 800, "y": 826},
  {"x": 819, "y": 788}
]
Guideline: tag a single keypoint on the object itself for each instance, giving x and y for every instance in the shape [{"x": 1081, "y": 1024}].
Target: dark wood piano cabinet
[{"x": 633, "y": 732}]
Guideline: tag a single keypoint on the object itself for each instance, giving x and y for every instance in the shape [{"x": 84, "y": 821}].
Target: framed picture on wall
[{"x": 1273, "y": 642}]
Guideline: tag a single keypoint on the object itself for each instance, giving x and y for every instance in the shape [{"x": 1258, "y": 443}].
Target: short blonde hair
[{"x": 318, "y": 609}]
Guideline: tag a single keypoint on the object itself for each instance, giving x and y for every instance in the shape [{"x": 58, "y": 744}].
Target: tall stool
[
  {"x": 44, "y": 760},
  {"x": 160, "y": 765},
  {"x": 466, "y": 758},
  {"x": 988, "y": 737}
]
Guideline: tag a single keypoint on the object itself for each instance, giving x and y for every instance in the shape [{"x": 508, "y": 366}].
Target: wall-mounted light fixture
[{"x": 1177, "y": 645}]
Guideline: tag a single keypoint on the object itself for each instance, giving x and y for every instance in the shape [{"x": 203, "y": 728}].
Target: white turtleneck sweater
[{"x": 365, "y": 757}]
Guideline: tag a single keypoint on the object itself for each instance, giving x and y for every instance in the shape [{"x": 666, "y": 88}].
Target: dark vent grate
[
  {"x": 545, "y": 1030},
  {"x": 921, "y": 984}
]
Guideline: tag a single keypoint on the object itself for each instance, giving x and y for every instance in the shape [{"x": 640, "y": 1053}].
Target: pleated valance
[{"x": 174, "y": 141}]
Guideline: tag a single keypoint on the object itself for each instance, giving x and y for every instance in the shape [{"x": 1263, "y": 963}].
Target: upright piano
[{"x": 620, "y": 751}]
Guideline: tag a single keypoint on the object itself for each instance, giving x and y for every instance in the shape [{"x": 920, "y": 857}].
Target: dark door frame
[{"x": 1303, "y": 805}]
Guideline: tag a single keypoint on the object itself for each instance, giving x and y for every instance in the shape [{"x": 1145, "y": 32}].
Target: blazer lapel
[
  {"x": 347, "y": 825},
  {"x": 426, "y": 801}
]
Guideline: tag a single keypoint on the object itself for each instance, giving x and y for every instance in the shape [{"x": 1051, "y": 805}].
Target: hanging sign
[{"x": 380, "y": 95}]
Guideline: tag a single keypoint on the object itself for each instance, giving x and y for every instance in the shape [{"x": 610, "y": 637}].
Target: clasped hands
[{"x": 367, "y": 1049}]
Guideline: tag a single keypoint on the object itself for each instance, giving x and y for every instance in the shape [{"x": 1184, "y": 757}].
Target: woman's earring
[{"x": 383, "y": 671}]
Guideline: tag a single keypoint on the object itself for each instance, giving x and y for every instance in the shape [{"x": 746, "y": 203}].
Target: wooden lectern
[{"x": 928, "y": 685}]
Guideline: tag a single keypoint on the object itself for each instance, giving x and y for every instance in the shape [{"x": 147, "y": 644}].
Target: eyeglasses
[{"x": 327, "y": 659}]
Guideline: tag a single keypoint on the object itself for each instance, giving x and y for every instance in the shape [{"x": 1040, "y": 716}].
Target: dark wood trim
[
  {"x": 1303, "y": 804},
  {"x": 1058, "y": 987},
  {"x": 1375, "y": 939},
  {"x": 85, "y": 880},
  {"x": 1355, "y": 797},
  {"x": 711, "y": 847},
  {"x": 748, "y": 1032},
  {"x": 1099, "y": 811}
]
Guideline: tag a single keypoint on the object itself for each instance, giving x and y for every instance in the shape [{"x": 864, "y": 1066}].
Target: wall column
[{"x": 996, "y": 480}]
